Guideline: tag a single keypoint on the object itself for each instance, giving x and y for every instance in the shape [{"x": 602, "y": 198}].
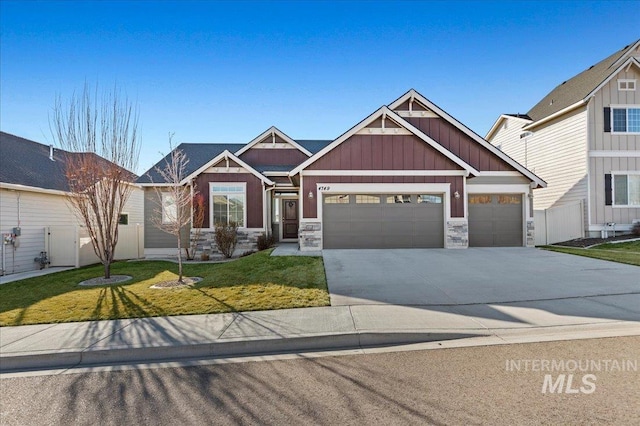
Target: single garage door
[
  {"x": 383, "y": 221},
  {"x": 495, "y": 220}
]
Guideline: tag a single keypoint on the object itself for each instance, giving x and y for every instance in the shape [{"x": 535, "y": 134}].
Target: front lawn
[
  {"x": 256, "y": 282},
  {"x": 620, "y": 252}
]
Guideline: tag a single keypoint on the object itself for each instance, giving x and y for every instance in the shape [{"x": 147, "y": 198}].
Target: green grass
[
  {"x": 622, "y": 252},
  {"x": 256, "y": 282}
]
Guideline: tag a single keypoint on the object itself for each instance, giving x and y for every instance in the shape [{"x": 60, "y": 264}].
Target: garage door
[
  {"x": 383, "y": 220},
  {"x": 495, "y": 220}
]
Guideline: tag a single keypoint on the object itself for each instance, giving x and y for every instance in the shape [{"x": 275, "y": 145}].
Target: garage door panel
[
  {"x": 495, "y": 220},
  {"x": 383, "y": 225}
]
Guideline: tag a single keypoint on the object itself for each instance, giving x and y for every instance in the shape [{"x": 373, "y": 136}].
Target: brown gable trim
[
  {"x": 495, "y": 151},
  {"x": 275, "y": 132},
  {"x": 222, "y": 156},
  {"x": 386, "y": 112}
]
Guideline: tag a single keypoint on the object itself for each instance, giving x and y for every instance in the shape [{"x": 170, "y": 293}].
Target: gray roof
[
  {"x": 576, "y": 88},
  {"x": 525, "y": 116},
  {"x": 26, "y": 162},
  {"x": 198, "y": 154},
  {"x": 313, "y": 145},
  {"x": 275, "y": 168}
]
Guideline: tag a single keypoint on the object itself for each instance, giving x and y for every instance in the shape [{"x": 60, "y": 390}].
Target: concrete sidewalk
[{"x": 181, "y": 338}]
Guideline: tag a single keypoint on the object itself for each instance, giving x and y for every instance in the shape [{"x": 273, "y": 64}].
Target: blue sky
[{"x": 225, "y": 72}]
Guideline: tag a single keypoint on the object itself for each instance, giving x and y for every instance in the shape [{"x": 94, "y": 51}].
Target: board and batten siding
[
  {"x": 624, "y": 149},
  {"x": 507, "y": 139},
  {"x": 557, "y": 152},
  {"x": 460, "y": 144}
]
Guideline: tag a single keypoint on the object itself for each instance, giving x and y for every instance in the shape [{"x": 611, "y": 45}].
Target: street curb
[
  {"x": 220, "y": 348},
  {"x": 367, "y": 341}
]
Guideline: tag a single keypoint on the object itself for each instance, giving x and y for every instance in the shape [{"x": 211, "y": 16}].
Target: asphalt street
[{"x": 477, "y": 385}]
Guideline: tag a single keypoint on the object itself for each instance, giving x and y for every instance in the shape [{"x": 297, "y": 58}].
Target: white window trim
[
  {"x": 613, "y": 191},
  {"x": 163, "y": 196},
  {"x": 625, "y": 107},
  {"x": 627, "y": 81},
  {"x": 244, "y": 194}
]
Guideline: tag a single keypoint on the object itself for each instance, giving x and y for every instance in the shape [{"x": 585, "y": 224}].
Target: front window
[
  {"x": 228, "y": 201},
  {"x": 626, "y": 120},
  {"x": 626, "y": 190}
]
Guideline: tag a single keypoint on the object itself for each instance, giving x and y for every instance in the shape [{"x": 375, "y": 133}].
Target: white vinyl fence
[
  {"x": 558, "y": 224},
  {"x": 71, "y": 246}
]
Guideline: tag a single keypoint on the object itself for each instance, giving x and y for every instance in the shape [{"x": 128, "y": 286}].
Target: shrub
[
  {"x": 635, "y": 230},
  {"x": 247, "y": 253},
  {"x": 264, "y": 242},
  {"x": 226, "y": 237}
]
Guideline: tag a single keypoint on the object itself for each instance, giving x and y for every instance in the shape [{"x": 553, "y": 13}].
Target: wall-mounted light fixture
[
  {"x": 310, "y": 195},
  {"x": 456, "y": 195}
]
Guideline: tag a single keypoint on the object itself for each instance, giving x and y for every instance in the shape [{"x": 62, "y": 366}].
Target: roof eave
[{"x": 555, "y": 115}]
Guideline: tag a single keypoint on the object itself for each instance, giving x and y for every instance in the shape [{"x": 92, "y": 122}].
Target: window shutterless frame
[
  {"x": 625, "y": 189},
  {"x": 228, "y": 191},
  {"x": 625, "y": 119}
]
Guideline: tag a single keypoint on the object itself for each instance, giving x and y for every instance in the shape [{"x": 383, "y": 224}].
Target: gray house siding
[{"x": 155, "y": 238}]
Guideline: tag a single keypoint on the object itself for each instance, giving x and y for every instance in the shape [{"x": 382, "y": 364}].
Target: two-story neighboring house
[{"x": 583, "y": 139}]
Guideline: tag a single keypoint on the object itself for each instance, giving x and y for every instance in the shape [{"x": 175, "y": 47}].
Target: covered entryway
[
  {"x": 495, "y": 220},
  {"x": 383, "y": 221}
]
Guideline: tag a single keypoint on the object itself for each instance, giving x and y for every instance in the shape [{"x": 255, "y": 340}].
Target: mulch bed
[
  {"x": 186, "y": 282},
  {"x": 114, "y": 279},
  {"x": 588, "y": 242}
]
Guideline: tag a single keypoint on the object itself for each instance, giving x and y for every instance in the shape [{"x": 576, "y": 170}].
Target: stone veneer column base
[
  {"x": 531, "y": 233},
  {"x": 310, "y": 235},
  {"x": 457, "y": 234}
]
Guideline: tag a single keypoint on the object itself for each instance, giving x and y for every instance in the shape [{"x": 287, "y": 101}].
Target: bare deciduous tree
[
  {"x": 173, "y": 211},
  {"x": 100, "y": 135},
  {"x": 198, "y": 207}
]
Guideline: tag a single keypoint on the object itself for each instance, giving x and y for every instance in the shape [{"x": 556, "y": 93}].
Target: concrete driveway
[{"x": 421, "y": 277}]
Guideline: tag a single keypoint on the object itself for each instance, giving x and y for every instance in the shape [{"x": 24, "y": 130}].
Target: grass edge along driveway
[
  {"x": 628, "y": 253},
  {"x": 255, "y": 282}
]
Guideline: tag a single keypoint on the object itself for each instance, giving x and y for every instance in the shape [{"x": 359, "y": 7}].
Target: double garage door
[
  {"x": 383, "y": 220},
  {"x": 417, "y": 220}
]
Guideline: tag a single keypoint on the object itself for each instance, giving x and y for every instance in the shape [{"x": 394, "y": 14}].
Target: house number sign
[{"x": 324, "y": 188}]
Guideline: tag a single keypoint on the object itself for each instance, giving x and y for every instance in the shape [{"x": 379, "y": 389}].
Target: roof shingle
[{"x": 578, "y": 87}]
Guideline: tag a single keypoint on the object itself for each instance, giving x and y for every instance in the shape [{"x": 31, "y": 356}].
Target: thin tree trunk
[
  {"x": 179, "y": 256},
  {"x": 107, "y": 269}
]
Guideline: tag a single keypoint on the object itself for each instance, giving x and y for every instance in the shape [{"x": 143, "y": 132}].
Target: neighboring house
[
  {"x": 583, "y": 139},
  {"x": 408, "y": 175},
  {"x": 34, "y": 214}
]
